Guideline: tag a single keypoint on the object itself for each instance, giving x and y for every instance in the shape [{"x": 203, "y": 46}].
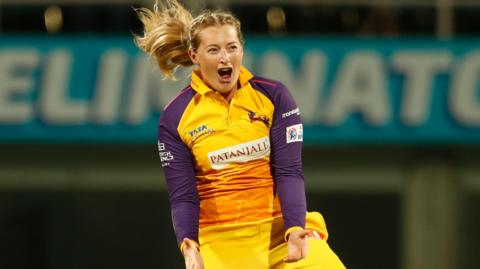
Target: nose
[{"x": 224, "y": 56}]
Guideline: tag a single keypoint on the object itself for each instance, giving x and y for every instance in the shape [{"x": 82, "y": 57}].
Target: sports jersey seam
[
  {"x": 175, "y": 119},
  {"x": 266, "y": 82},
  {"x": 268, "y": 94},
  {"x": 185, "y": 90},
  {"x": 263, "y": 91}
]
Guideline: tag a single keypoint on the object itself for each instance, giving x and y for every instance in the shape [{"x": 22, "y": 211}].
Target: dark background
[{"x": 81, "y": 217}]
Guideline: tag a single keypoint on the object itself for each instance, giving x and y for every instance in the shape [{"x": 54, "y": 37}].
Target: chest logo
[
  {"x": 258, "y": 117},
  {"x": 200, "y": 131},
  {"x": 251, "y": 150}
]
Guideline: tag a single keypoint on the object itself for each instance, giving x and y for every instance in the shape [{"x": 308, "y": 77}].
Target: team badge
[
  {"x": 294, "y": 133},
  {"x": 258, "y": 117}
]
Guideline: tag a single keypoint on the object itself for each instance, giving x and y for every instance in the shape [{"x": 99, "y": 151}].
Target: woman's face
[{"x": 219, "y": 56}]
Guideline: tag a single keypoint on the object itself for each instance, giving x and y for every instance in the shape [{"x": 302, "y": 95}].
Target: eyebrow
[{"x": 216, "y": 45}]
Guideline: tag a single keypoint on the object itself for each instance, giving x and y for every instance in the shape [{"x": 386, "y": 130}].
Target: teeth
[{"x": 224, "y": 71}]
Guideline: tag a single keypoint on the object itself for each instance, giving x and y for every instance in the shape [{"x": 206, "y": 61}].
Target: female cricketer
[{"x": 230, "y": 144}]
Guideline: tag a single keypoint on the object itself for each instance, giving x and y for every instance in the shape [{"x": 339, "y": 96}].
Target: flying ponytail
[{"x": 166, "y": 35}]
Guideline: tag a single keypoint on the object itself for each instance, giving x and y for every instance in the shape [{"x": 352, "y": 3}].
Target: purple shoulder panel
[
  {"x": 179, "y": 169},
  {"x": 286, "y": 136}
]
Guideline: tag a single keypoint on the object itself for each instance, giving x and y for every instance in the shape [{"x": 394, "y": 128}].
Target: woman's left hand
[
  {"x": 297, "y": 245},
  {"x": 193, "y": 259}
]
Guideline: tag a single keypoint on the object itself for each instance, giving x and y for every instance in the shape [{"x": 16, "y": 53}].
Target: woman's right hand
[{"x": 191, "y": 254}]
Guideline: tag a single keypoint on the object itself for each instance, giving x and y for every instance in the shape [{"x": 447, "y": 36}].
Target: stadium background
[{"x": 396, "y": 174}]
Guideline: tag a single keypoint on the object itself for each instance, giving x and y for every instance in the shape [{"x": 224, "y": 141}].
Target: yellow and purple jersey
[{"x": 229, "y": 162}]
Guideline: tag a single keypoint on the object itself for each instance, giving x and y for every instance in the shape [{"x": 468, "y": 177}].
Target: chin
[{"x": 224, "y": 88}]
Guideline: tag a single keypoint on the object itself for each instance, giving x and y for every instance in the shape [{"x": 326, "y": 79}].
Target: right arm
[{"x": 177, "y": 163}]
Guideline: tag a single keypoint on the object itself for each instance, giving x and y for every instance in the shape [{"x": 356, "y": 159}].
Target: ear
[{"x": 193, "y": 56}]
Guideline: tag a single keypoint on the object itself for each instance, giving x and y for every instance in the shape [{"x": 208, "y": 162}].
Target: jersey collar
[{"x": 200, "y": 87}]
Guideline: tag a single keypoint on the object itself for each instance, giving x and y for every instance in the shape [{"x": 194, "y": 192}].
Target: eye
[
  {"x": 212, "y": 50},
  {"x": 233, "y": 48}
]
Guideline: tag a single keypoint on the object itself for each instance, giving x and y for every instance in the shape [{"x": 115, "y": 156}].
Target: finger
[
  {"x": 293, "y": 257},
  {"x": 305, "y": 250},
  {"x": 288, "y": 260},
  {"x": 190, "y": 263}
]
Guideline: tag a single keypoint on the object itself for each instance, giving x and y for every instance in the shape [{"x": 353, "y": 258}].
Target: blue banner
[{"x": 92, "y": 89}]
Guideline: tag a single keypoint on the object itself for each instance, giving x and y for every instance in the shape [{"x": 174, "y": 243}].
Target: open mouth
[{"x": 225, "y": 73}]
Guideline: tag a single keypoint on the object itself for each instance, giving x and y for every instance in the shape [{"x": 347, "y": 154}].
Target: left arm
[
  {"x": 286, "y": 161},
  {"x": 286, "y": 135}
]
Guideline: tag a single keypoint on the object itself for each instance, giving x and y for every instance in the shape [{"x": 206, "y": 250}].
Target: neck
[{"x": 228, "y": 95}]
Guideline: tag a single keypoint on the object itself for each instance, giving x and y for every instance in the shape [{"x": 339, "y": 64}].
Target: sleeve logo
[
  {"x": 295, "y": 133},
  {"x": 165, "y": 156},
  {"x": 295, "y": 111}
]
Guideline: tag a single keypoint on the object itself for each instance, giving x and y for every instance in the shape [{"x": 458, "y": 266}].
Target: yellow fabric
[
  {"x": 315, "y": 221},
  {"x": 231, "y": 150},
  {"x": 260, "y": 245}
]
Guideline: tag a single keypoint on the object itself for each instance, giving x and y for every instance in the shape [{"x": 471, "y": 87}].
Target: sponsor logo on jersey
[
  {"x": 165, "y": 156},
  {"x": 295, "y": 133},
  {"x": 252, "y": 150},
  {"x": 258, "y": 117},
  {"x": 295, "y": 111},
  {"x": 200, "y": 131}
]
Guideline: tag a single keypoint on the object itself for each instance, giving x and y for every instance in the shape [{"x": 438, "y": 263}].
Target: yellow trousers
[{"x": 261, "y": 245}]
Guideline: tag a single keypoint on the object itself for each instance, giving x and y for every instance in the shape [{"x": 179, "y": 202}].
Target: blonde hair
[{"x": 170, "y": 31}]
